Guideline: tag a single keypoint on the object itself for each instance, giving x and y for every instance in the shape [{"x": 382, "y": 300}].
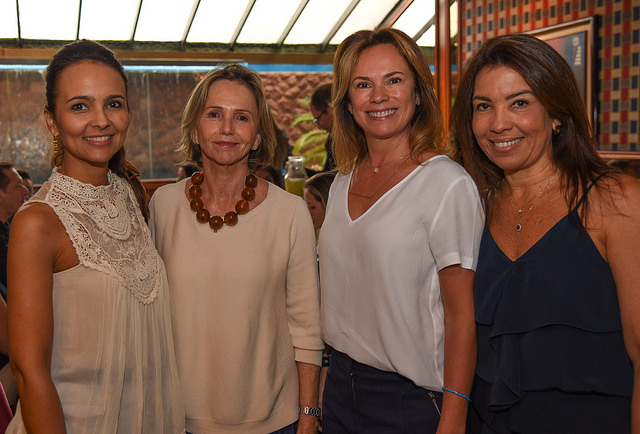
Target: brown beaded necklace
[{"x": 231, "y": 218}]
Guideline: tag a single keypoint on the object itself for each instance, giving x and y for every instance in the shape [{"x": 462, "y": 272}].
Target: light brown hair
[
  {"x": 427, "y": 127},
  {"x": 196, "y": 103}
]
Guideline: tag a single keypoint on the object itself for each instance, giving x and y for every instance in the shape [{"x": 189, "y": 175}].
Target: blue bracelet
[{"x": 456, "y": 393}]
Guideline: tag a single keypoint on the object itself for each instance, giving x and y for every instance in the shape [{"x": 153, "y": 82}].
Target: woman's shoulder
[
  {"x": 169, "y": 190},
  {"x": 443, "y": 168},
  {"x": 35, "y": 219},
  {"x": 619, "y": 193}
]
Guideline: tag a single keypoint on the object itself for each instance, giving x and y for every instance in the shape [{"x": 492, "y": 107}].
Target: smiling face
[
  {"x": 91, "y": 115},
  {"x": 382, "y": 94},
  {"x": 510, "y": 124},
  {"x": 227, "y": 129}
]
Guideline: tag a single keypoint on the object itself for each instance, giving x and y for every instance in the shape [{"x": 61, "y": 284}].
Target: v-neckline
[
  {"x": 424, "y": 164},
  {"x": 532, "y": 247}
]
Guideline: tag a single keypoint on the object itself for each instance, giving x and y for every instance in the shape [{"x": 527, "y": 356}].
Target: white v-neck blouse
[{"x": 381, "y": 300}]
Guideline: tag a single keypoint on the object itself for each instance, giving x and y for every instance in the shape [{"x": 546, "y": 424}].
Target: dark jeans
[{"x": 360, "y": 399}]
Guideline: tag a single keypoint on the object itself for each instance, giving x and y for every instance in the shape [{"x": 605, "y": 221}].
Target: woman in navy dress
[{"x": 557, "y": 289}]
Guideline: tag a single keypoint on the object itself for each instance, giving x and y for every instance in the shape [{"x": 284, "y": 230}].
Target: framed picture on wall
[{"x": 575, "y": 41}]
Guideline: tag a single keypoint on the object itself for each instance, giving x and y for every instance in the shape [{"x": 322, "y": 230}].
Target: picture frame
[{"x": 576, "y": 42}]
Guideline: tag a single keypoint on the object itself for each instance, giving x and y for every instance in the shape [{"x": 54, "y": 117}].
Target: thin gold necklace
[
  {"x": 518, "y": 212},
  {"x": 376, "y": 169},
  {"x": 384, "y": 184}
]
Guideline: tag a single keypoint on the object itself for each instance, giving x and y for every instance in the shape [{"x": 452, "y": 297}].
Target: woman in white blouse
[{"x": 398, "y": 249}]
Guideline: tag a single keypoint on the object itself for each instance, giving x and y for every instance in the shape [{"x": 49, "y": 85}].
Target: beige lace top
[{"x": 112, "y": 360}]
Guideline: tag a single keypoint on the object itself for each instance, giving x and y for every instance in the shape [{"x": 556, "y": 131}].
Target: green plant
[{"x": 311, "y": 143}]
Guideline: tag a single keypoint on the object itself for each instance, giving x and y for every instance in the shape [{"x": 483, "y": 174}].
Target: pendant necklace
[
  {"x": 519, "y": 211},
  {"x": 231, "y": 218},
  {"x": 379, "y": 189},
  {"x": 376, "y": 169}
]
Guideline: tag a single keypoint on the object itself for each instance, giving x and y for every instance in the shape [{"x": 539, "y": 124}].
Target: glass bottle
[{"x": 296, "y": 175}]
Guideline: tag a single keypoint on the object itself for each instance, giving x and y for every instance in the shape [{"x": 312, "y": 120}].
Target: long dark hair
[
  {"x": 81, "y": 51},
  {"x": 553, "y": 83}
]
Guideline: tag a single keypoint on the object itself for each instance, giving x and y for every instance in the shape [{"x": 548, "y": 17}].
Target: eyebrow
[
  {"x": 390, "y": 74},
  {"x": 234, "y": 110},
  {"x": 89, "y": 98},
  {"x": 511, "y": 96}
]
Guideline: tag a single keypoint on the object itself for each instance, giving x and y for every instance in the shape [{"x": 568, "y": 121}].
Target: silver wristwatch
[{"x": 312, "y": 411}]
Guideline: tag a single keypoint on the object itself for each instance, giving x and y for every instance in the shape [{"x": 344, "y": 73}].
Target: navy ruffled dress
[{"x": 551, "y": 357}]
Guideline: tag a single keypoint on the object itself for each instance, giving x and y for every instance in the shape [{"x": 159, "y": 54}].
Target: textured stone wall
[{"x": 156, "y": 101}]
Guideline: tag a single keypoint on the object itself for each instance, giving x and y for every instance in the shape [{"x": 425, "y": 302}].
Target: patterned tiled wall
[{"x": 617, "y": 63}]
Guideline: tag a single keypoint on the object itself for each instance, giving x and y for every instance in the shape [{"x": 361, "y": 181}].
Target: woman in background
[
  {"x": 89, "y": 322},
  {"x": 397, "y": 249},
  {"x": 557, "y": 290},
  {"x": 316, "y": 194},
  {"x": 240, "y": 255}
]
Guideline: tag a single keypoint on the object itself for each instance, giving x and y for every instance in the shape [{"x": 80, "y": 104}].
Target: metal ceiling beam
[
  {"x": 395, "y": 13},
  {"x": 243, "y": 21},
  {"x": 192, "y": 16},
  {"x": 339, "y": 23},
  {"x": 428, "y": 25},
  {"x": 79, "y": 17},
  {"x": 18, "y": 18},
  {"x": 423, "y": 30},
  {"x": 292, "y": 22},
  {"x": 135, "y": 24}
]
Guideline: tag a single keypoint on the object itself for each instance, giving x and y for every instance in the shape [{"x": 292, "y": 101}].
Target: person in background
[
  {"x": 90, "y": 337},
  {"x": 397, "y": 249},
  {"x": 557, "y": 288},
  {"x": 27, "y": 181},
  {"x": 241, "y": 260},
  {"x": 13, "y": 193},
  {"x": 322, "y": 112},
  {"x": 185, "y": 170},
  {"x": 316, "y": 194},
  {"x": 270, "y": 174}
]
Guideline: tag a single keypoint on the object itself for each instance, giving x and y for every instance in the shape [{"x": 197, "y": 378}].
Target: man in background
[
  {"x": 320, "y": 108},
  {"x": 13, "y": 193},
  {"x": 27, "y": 181}
]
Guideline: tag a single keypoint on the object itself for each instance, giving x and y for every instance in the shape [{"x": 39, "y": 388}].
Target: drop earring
[{"x": 57, "y": 144}]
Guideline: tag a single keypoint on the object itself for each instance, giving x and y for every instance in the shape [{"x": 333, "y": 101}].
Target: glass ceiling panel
[
  {"x": 8, "y": 23},
  {"x": 214, "y": 23},
  {"x": 316, "y": 21},
  {"x": 267, "y": 21},
  {"x": 163, "y": 20},
  {"x": 429, "y": 38},
  {"x": 367, "y": 15},
  {"x": 453, "y": 19},
  {"x": 114, "y": 23},
  {"x": 416, "y": 16},
  {"x": 46, "y": 19}
]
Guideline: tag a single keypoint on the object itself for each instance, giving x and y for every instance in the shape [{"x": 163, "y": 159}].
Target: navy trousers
[{"x": 358, "y": 398}]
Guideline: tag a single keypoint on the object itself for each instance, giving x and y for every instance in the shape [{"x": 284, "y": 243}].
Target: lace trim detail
[{"x": 107, "y": 230}]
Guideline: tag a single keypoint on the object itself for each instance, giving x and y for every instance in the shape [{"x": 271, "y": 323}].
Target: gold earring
[
  {"x": 556, "y": 130},
  {"x": 57, "y": 144}
]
